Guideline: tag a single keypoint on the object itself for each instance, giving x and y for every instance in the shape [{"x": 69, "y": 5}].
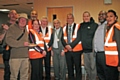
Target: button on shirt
[
  {"x": 55, "y": 43},
  {"x": 99, "y": 38}
]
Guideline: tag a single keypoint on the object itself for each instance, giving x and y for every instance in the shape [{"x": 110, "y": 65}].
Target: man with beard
[{"x": 99, "y": 46}]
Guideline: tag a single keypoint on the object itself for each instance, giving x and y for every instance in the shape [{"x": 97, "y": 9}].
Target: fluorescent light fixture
[{"x": 4, "y": 10}]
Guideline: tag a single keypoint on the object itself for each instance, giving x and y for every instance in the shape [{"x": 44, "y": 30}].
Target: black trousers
[
  {"x": 101, "y": 66},
  {"x": 105, "y": 72},
  {"x": 47, "y": 64},
  {"x": 36, "y": 69},
  {"x": 113, "y": 73},
  {"x": 73, "y": 59}
]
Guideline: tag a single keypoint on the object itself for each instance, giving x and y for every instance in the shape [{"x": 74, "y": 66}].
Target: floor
[{"x": 2, "y": 72}]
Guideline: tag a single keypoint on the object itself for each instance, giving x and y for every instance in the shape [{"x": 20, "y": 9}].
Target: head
[
  {"x": 22, "y": 20},
  {"x": 70, "y": 18},
  {"x": 13, "y": 15},
  {"x": 36, "y": 24},
  {"x": 44, "y": 21},
  {"x": 111, "y": 17},
  {"x": 56, "y": 23},
  {"x": 86, "y": 16},
  {"x": 102, "y": 16},
  {"x": 34, "y": 15}
]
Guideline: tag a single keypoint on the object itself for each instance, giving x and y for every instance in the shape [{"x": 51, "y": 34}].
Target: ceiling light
[{"x": 4, "y": 10}]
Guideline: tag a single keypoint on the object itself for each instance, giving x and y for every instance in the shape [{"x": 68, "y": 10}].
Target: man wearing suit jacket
[
  {"x": 45, "y": 33},
  {"x": 73, "y": 55},
  {"x": 58, "y": 54}
]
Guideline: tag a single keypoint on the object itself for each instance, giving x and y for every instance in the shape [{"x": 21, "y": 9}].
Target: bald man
[
  {"x": 12, "y": 15},
  {"x": 33, "y": 16},
  {"x": 99, "y": 47}
]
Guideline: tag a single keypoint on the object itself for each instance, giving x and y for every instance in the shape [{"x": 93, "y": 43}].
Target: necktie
[{"x": 69, "y": 34}]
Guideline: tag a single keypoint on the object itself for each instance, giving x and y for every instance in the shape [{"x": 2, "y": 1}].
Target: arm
[
  {"x": 51, "y": 41},
  {"x": 62, "y": 40},
  {"x": 117, "y": 38},
  {"x": 75, "y": 42}
]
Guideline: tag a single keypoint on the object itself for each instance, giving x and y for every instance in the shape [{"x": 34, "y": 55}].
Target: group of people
[{"x": 29, "y": 44}]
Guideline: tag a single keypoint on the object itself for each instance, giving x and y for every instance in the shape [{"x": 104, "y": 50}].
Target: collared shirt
[
  {"x": 99, "y": 37},
  {"x": 55, "y": 43},
  {"x": 43, "y": 31}
]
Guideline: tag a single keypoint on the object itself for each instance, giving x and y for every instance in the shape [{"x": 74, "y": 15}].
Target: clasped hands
[{"x": 68, "y": 47}]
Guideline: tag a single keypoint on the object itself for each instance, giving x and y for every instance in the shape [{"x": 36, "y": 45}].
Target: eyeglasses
[{"x": 101, "y": 14}]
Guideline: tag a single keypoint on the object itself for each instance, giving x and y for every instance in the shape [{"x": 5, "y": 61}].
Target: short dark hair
[{"x": 112, "y": 11}]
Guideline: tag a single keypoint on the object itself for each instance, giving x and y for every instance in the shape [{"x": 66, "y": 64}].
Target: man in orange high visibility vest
[
  {"x": 45, "y": 33},
  {"x": 34, "y": 16},
  {"x": 73, "y": 54}
]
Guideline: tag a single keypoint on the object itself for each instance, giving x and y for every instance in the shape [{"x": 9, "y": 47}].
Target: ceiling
[{"x": 21, "y": 6}]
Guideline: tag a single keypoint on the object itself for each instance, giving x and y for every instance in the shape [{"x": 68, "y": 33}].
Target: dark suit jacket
[
  {"x": 60, "y": 45},
  {"x": 71, "y": 44}
]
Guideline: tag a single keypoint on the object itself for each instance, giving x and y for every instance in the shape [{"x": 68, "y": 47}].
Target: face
[
  {"x": 86, "y": 17},
  {"x": 35, "y": 25},
  {"x": 22, "y": 22},
  {"x": 56, "y": 24},
  {"x": 13, "y": 15},
  {"x": 44, "y": 23},
  {"x": 70, "y": 19},
  {"x": 34, "y": 15},
  {"x": 102, "y": 16},
  {"x": 111, "y": 18}
]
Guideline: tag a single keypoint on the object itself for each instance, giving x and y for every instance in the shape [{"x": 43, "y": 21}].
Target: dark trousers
[
  {"x": 6, "y": 70},
  {"x": 36, "y": 69},
  {"x": 47, "y": 60},
  {"x": 73, "y": 59},
  {"x": 113, "y": 73},
  {"x": 101, "y": 66}
]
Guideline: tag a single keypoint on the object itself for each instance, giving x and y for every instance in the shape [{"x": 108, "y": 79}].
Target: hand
[
  {"x": 26, "y": 44},
  {"x": 68, "y": 47},
  {"x": 44, "y": 53},
  {"x": 119, "y": 68},
  {"x": 5, "y": 26},
  {"x": 52, "y": 53},
  {"x": 62, "y": 53}
]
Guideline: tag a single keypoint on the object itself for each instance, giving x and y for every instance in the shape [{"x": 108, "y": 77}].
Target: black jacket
[{"x": 86, "y": 34}]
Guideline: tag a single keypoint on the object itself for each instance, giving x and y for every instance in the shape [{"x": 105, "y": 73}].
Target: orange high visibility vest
[
  {"x": 110, "y": 47},
  {"x": 47, "y": 37},
  {"x": 29, "y": 26},
  {"x": 78, "y": 47},
  {"x": 33, "y": 54}
]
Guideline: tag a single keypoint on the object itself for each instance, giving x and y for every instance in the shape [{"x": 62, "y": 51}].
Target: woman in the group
[
  {"x": 112, "y": 45},
  {"x": 36, "y": 51}
]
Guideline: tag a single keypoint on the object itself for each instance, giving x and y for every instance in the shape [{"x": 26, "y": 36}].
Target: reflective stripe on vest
[
  {"x": 33, "y": 54},
  {"x": 47, "y": 37},
  {"x": 110, "y": 47},
  {"x": 78, "y": 47}
]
